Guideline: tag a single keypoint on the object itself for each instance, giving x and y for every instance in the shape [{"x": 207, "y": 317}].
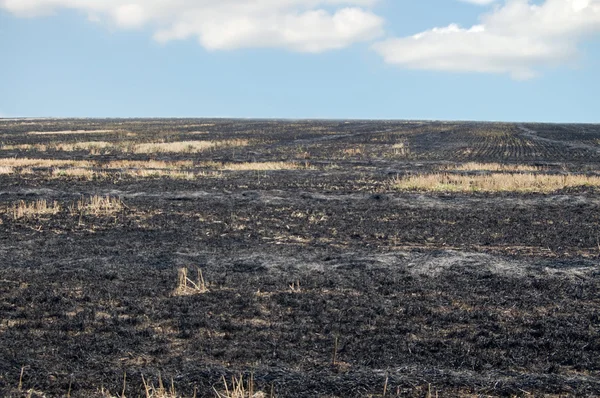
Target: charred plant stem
[{"x": 335, "y": 349}]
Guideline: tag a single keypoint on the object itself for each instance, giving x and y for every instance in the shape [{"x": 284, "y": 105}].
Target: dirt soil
[{"x": 323, "y": 281}]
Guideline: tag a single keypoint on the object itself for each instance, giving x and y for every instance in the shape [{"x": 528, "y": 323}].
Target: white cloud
[
  {"x": 300, "y": 25},
  {"x": 479, "y": 2},
  {"x": 129, "y": 15},
  {"x": 516, "y": 38}
]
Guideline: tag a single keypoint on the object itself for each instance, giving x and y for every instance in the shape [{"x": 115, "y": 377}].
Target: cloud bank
[
  {"x": 517, "y": 38},
  {"x": 299, "y": 25}
]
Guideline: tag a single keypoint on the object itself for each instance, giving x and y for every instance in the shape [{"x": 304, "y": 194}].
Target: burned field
[{"x": 337, "y": 259}]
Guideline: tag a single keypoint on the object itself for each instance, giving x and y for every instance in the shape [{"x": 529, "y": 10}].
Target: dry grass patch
[
  {"x": 353, "y": 151},
  {"x": 495, "y": 182},
  {"x": 6, "y": 170},
  {"x": 94, "y": 147},
  {"x": 160, "y": 391},
  {"x": 401, "y": 149},
  {"x": 150, "y": 390},
  {"x": 198, "y": 125},
  {"x": 149, "y": 173},
  {"x": 69, "y": 132},
  {"x": 186, "y": 286},
  {"x": 153, "y": 168},
  {"x": 303, "y": 155},
  {"x": 239, "y": 388},
  {"x": 97, "y": 206},
  {"x": 38, "y": 208},
  {"x": 195, "y": 132},
  {"x": 186, "y": 146},
  {"x": 100, "y": 147},
  {"x": 88, "y": 172},
  {"x": 27, "y": 162},
  {"x": 260, "y": 166},
  {"x": 77, "y": 172},
  {"x": 148, "y": 164},
  {"x": 474, "y": 166}
]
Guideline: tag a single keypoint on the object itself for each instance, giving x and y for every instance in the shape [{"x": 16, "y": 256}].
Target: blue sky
[{"x": 514, "y": 60}]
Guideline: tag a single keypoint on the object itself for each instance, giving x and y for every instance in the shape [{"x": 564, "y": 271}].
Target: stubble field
[{"x": 337, "y": 258}]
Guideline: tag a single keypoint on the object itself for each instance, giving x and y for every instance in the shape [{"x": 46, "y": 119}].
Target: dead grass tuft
[
  {"x": 474, "y": 166},
  {"x": 90, "y": 174},
  {"x": 295, "y": 287},
  {"x": 27, "y": 162},
  {"x": 94, "y": 147},
  {"x": 401, "y": 149},
  {"x": 160, "y": 391},
  {"x": 101, "y": 147},
  {"x": 149, "y": 173},
  {"x": 40, "y": 207},
  {"x": 24, "y": 147},
  {"x": 26, "y": 171},
  {"x": 240, "y": 389},
  {"x": 353, "y": 151},
  {"x": 260, "y": 166},
  {"x": 87, "y": 174},
  {"x": 303, "y": 155},
  {"x": 186, "y": 286},
  {"x": 150, "y": 390},
  {"x": 495, "y": 182},
  {"x": 69, "y": 132},
  {"x": 148, "y": 164},
  {"x": 89, "y": 170},
  {"x": 97, "y": 206},
  {"x": 6, "y": 170}
]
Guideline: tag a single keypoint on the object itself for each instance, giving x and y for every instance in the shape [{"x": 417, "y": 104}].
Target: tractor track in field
[{"x": 533, "y": 135}]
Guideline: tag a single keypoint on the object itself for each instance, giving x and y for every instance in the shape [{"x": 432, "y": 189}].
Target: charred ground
[{"x": 463, "y": 294}]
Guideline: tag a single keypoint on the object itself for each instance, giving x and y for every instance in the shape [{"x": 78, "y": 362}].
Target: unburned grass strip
[
  {"x": 104, "y": 147},
  {"x": 33, "y": 209},
  {"x": 494, "y": 182},
  {"x": 186, "y": 146},
  {"x": 29, "y": 162},
  {"x": 474, "y": 166},
  {"x": 260, "y": 166},
  {"x": 71, "y": 132},
  {"x": 6, "y": 170},
  {"x": 97, "y": 206}
]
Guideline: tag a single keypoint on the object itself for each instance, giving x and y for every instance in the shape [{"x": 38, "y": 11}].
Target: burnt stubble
[{"x": 322, "y": 280}]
